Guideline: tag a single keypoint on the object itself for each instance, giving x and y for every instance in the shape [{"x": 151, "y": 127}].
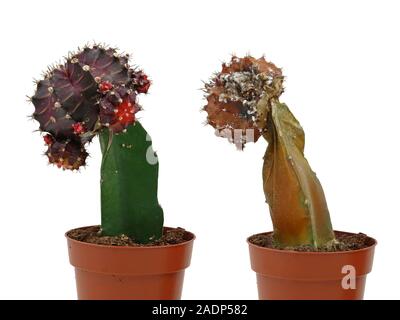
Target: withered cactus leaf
[{"x": 295, "y": 196}]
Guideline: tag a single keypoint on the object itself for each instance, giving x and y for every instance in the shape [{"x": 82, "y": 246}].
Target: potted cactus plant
[
  {"x": 303, "y": 258},
  {"x": 130, "y": 255}
]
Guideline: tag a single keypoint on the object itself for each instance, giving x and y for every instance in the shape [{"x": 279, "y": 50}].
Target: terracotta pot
[
  {"x": 112, "y": 272},
  {"x": 293, "y": 275}
]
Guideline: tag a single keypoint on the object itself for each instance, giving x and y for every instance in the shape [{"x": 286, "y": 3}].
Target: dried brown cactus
[{"x": 243, "y": 102}]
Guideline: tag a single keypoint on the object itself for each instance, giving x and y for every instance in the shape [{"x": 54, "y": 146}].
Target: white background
[{"x": 341, "y": 60}]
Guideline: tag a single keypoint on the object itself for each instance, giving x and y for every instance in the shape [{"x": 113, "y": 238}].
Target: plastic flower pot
[
  {"x": 294, "y": 275},
  {"x": 127, "y": 272}
]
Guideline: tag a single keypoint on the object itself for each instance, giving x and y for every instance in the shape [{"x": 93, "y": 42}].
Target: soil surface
[
  {"x": 171, "y": 236},
  {"x": 344, "y": 242}
]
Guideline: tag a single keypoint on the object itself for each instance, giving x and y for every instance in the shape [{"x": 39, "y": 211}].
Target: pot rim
[
  {"x": 128, "y": 247},
  {"x": 284, "y": 251}
]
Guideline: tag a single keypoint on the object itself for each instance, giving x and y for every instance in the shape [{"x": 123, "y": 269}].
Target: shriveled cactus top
[
  {"x": 233, "y": 97},
  {"x": 94, "y": 89}
]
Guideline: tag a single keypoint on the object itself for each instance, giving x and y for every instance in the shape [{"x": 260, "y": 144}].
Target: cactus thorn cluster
[
  {"x": 234, "y": 93},
  {"x": 93, "y": 89}
]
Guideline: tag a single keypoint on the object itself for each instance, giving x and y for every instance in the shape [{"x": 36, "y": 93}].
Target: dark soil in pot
[
  {"x": 344, "y": 242},
  {"x": 93, "y": 234}
]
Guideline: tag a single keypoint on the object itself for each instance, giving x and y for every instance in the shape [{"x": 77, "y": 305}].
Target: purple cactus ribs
[{"x": 94, "y": 89}]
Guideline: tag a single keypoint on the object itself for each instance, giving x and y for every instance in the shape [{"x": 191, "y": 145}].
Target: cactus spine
[
  {"x": 244, "y": 97},
  {"x": 95, "y": 93}
]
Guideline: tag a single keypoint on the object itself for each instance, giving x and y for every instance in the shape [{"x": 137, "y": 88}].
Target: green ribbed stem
[{"x": 129, "y": 181}]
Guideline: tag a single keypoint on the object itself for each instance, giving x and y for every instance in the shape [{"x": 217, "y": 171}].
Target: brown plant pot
[
  {"x": 126, "y": 272},
  {"x": 294, "y": 275}
]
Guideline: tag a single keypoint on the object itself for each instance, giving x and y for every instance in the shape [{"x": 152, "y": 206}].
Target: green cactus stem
[{"x": 129, "y": 175}]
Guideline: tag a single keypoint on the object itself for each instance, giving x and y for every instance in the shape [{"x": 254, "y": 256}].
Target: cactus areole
[
  {"x": 95, "y": 93},
  {"x": 243, "y": 105}
]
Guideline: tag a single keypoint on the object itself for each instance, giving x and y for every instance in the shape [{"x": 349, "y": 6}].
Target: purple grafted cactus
[{"x": 95, "y": 88}]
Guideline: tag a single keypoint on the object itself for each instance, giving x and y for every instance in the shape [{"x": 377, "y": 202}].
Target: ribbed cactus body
[
  {"x": 118, "y": 108},
  {"x": 95, "y": 88},
  {"x": 67, "y": 154},
  {"x": 48, "y": 112}
]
